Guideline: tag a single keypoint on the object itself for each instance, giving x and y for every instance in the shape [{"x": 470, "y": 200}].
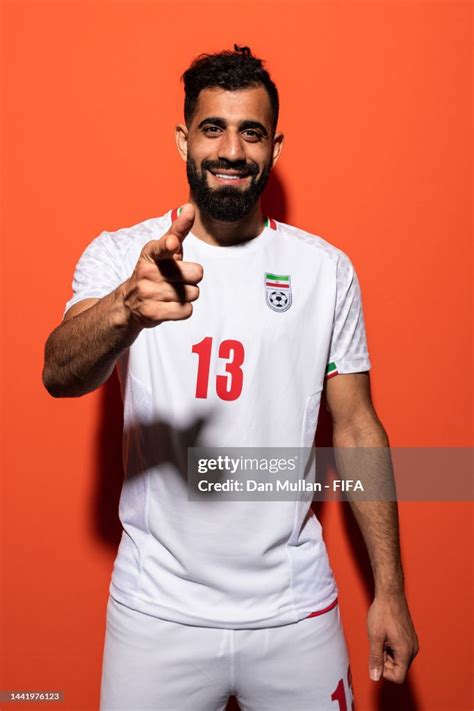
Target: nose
[{"x": 231, "y": 147}]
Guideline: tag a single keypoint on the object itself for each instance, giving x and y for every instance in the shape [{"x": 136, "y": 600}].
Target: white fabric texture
[
  {"x": 156, "y": 665},
  {"x": 215, "y": 563}
]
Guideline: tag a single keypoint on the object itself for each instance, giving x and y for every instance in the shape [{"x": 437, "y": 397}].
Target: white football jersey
[{"x": 275, "y": 317}]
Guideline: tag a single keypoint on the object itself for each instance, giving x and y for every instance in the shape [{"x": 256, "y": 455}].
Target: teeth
[{"x": 228, "y": 177}]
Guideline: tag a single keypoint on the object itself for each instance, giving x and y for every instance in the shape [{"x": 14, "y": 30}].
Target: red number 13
[{"x": 228, "y": 387}]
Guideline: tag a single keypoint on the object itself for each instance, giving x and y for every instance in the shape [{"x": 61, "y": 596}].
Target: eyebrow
[{"x": 243, "y": 125}]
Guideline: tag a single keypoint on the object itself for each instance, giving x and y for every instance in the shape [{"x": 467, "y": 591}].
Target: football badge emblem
[{"x": 278, "y": 291}]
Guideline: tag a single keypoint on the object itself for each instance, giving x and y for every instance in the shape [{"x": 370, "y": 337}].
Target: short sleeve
[
  {"x": 98, "y": 271},
  {"x": 348, "y": 350}
]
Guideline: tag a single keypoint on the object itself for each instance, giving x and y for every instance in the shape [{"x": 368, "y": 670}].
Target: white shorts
[{"x": 150, "y": 664}]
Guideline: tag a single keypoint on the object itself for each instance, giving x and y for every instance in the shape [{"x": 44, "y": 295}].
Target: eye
[
  {"x": 211, "y": 130},
  {"x": 252, "y": 135}
]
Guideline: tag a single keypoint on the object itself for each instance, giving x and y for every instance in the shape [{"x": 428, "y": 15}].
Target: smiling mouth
[{"x": 229, "y": 177}]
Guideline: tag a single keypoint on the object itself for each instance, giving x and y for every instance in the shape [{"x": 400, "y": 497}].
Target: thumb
[
  {"x": 376, "y": 658},
  {"x": 173, "y": 240}
]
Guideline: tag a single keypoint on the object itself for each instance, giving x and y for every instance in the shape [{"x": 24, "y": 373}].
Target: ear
[
  {"x": 278, "y": 140},
  {"x": 182, "y": 140}
]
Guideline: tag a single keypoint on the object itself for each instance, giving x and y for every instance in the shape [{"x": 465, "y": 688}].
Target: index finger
[{"x": 183, "y": 222}]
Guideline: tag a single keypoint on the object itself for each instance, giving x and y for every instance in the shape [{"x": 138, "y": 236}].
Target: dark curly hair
[{"x": 230, "y": 71}]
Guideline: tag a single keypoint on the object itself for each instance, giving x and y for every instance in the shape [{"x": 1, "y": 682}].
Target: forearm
[
  {"x": 81, "y": 352},
  {"x": 368, "y": 459}
]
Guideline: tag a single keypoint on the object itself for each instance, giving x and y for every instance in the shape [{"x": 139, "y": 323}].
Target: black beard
[{"x": 227, "y": 204}]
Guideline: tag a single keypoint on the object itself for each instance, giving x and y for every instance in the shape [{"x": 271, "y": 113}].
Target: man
[{"x": 208, "y": 597}]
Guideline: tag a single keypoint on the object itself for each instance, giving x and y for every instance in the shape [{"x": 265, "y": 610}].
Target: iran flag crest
[{"x": 278, "y": 291}]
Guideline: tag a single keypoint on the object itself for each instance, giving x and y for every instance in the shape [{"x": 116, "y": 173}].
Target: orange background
[{"x": 376, "y": 107}]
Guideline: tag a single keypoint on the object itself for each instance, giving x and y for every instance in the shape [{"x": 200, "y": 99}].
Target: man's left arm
[{"x": 392, "y": 637}]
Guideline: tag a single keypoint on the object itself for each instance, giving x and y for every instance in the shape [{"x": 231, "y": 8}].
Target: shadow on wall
[
  {"x": 274, "y": 200},
  {"x": 109, "y": 478}
]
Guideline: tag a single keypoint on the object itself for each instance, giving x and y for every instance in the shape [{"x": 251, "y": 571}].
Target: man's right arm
[{"x": 80, "y": 354}]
